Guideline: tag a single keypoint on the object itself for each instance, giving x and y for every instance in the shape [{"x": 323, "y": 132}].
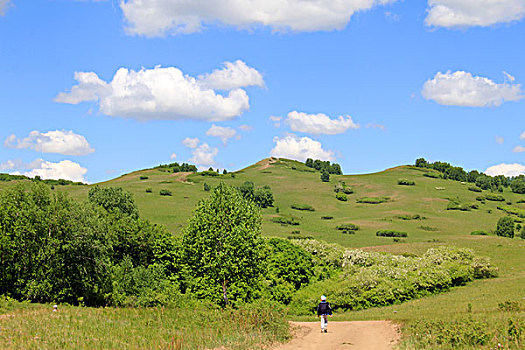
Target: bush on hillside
[
  {"x": 206, "y": 187},
  {"x": 113, "y": 199},
  {"x": 327, "y": 217},
  {"x": 391, "y": 233},
  {"x": 149, "y": 190},
  {"x": 341, "y": 196},
  {"x": 211, "y": 173},
  {"x": 455, "y": 204},
  {"x": 144, "y": 177},
  {"x": 372, "y": 200},
  {"x": 479, "y": 233},
  {"x": 518, "y": 186},
  {"x": 494, "y": 197},
  {"x": 165, "y": 192},
  {"x": 342, "y": 187},
  {"x": 431, "y": 175},
  {"x": 522, "y": 233},
  {"x": 325, "y": 176},
  {"x": 474, "y": 189},
  {"x": 286, "y": 220},
  {"x": 347, "y": 227},
  {"x": 405, "y": 182},
  {"x": 512, "y": 210},
  {"x": 505, "y": 227},
  {"x": 303, "y": 207}
]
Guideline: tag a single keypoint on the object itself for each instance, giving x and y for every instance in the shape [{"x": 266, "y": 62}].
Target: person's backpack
[{"x": 324, "y": 309}]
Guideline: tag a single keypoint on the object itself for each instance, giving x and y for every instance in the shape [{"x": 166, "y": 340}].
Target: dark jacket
[{"x": 324, "y": 308}]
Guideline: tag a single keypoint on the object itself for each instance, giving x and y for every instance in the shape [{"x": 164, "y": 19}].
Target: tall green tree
[
  {"x": 505, "y": 227},
  {"x": 114, "y": 199},
  {"x": 223, "y": 248}
]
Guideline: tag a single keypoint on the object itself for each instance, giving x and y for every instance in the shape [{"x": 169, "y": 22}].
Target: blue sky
[{"x": 90, "y": 90}]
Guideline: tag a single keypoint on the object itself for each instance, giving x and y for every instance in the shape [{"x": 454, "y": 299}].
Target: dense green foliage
[
  {"x": 479, "y": 233},
  {"x": 474, "y": 189},
  {"x": 341, "y": 196},
  {"x": 518, "y": 185},
  {"x": 512, "y": 210},
  {"x": 341, "y": 187},
  {"x": 262, "y": 196},
  {"x": 324, "y": 166},
  {"x": 373, "y": 200},
  {"x": 165, "y": 193},
  {"x": 222, "y": 246},
  {"x": 55, "y": 249},
  {"x": 505, "y": 227},
  {"x": 305, "y": 207},
  {"x": 406, "y": 182},
  {"x": 176, "y": 167},
  {"x": 373, "y": 279},
  {"x": 325, "y": 176},
  {"x": 8, "y": 177},
  {"x": 494, "y": 197},
  {"x": 286, "y": 220}
]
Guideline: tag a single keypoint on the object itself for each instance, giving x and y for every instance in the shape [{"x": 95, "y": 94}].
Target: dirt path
[{"x": 363, "y": 335}]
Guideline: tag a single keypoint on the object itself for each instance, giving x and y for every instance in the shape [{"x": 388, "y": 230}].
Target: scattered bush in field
[
  {"x": 522, "y": 233},
  {"x": 304, "y": 207},
  {"x": 327, "y": 217},
  {"x": 373, "y": 200},
  {"x": 405, "y": 182},
  {"x": 143, "y": 177},
  {"x": 520, "y": 201},
  {"x": 481, "y": 199},
  {"x": 149, "y": 190},
  {"x": 518, "y": 185},
  {"x": 324, "y": 166},
  {"x": 494, "y": 197},
  {"x": 512, "y": 210},
  {"x": 207, "y": 187},
  {"x": 505, "y": 227},
  {"x": 296, "y": 232},
  {"x": 224, "y": 172},
  {"x": 428, "y": 228},
  {"x": 325, "y": 176},
  {"x": 341, "y": 196},
  {"x": 347, "y": 227},
  {"x": 286, "y": 220},
  {"x": 479, "y": 233},
  {"x": 431, "y": 175},
  {"x": 165, "y": 192},
  {"x": 518, "y": 227},
  {"x": 113, "y": 199},
  {"x": 369, "y": 279},
  {"x": 455, "y": 204},
  {"x": 474, "y": 189},
  {"x": 262, "y": 196},
  {"x": 391, "y": 233},
  {"x": 410, "y": 217},
  {"x": 509, "y": 305},
  {"x": 209, "y": 173},
  {"x": 341, "y": 187}
]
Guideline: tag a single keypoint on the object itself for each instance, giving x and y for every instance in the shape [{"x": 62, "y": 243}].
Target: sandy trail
[{"x": 373, "y": 335}]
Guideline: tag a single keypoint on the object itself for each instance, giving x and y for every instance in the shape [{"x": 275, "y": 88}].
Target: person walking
[{"x": 323, "y": 310}]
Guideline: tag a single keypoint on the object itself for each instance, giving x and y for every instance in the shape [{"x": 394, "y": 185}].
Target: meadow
[{"x": 420, "y": 210}]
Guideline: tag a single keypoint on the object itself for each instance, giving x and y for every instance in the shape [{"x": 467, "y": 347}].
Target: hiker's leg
[{"x": 322, "y": 322}]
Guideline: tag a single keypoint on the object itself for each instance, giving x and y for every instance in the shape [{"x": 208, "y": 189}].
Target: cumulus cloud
[
  {"x": 318, "y": 124},
  {"x": 4, "y": 5},
  {"x": 58, "y": 141},
  {"x": 500, "y": 140},
  {"x": 462, "y": 89},
  {"x": 204, "y": 155},
  {"x": 468, "y": 13},
  {"x": 233, "y": 75},
  {"x": 65, "y": 169},
  {"x": 518, "y": 149},
  {"x": 522, "y": 136},
  {"x": 510, "y": 170},
  {"x": 300, "y": 149},
  {"x": 224, "y": 133},
  {"x": 190, "y": 143},
  {"x": 167, "y": 93},
  {"x": 246, "y": 128},
  {"x": 173, "y": 156},
  {"x": 161, "y": 17}
]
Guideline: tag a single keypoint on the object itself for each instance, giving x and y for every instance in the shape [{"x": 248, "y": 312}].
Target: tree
[
  {"x": 114, "y": 199},
  {"x": 263, "y": 196},
  {"x": 325, "y": 176},
  {"x": 421, "y": 163},
  {"x": 505, "y": 227},
  {"x": 518, "y": 186},
  {"x": 309, "y": 162},
  {"x": 222, "y": 247},
  {"x": 522, "y": 233}
]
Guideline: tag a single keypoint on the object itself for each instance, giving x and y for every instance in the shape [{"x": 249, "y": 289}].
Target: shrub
[
  {"x": 304, "y": 207},
  {"x": 209, "y": 173},
  {"x": 341, "y": 187},
  {"x": 512, "y": 210},
  {"x": 149, "y": 190},
  {"x": 391, "y": 233},
  {"x": 455, "y": 204},
  {"x": 481, "y": 199},
  {"x": 165, "y": 192},
  {"x": 113, "y": 199},
  {"x": 325, "y": 176},
  {"x": 428, "y": 228},
  {"x": 143, "y": 177},
  {"x": 341, "y": 196},
  {"x": 474, "y": 189},
  {"x": 286, "y": 220},
  {"x": 479, "y": 233},
  {"x": 327, "y": 217},
  {"x": 405, "y": 182},
  {"x": 410, "y": 217},
  {"x": 494, "y": 197},
  {"x": 522, "y": 233},
  {"x": 347, "y": 227},
  {"x": 296, "y": 232},
  {"x": 207, "y": 187},
  {"x": 431, "y": 175},
  {"x": 373, "y": 200},
  {"x": 518, "y": 186},
  {"x": 505, "y": 227}
]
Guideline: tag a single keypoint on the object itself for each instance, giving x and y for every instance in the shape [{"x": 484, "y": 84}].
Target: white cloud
[
  {"x": 500, "y": 140},
  {"x": 275, "y": 118},
  {"x": 462, "y": 89},
  {"x": 518, "y": 149},
  {"x": 246, "y": 128},
  {"x": 165, "y": 93},
  {"x": 190, "y": 143},
  {"x": 468, "y": 13},
  {"x": 224, "y": 133},
  {"x": 161, "y": 17},
  {"x": 376, "y": 126},
  {"x": 522, "y": 136},
  {"x": 58, "y": 141},
  {"x": 4, "y": 5},
  {"x": 302, "y": 148},
  {"x": 173, "y": 156},
  {"x": 318, "y": 124},
  {"x": 203, "y": 155},
  {"x": 510, "y": 170},
  {"x": 234, "y": 75},
  {"x": 65, "y": 169}
]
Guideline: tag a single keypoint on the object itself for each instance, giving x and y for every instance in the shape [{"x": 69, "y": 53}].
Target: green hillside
[{"x": 420, "y": 210}]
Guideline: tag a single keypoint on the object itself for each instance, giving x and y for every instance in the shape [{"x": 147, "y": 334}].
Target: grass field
[{"x": 294, "y": 184}]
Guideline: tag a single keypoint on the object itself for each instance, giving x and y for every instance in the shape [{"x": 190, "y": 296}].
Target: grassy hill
[{"x": 419, "y": 210}]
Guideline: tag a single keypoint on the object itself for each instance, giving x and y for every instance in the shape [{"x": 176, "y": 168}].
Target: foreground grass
[{"x": 36, "y": 326}]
